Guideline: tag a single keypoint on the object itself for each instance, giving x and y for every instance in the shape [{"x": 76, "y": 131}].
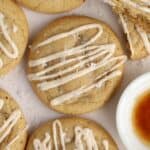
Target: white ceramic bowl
[{"x": 125, "y": 109}]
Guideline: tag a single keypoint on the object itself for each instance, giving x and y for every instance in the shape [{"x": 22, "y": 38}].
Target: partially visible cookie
[
  {"x": 13, "y": 127},
  {"x": 75, "y": 64},
  {"x": 51, "y": 6},
  {"x": 13, "y": 35},
  {"x": 71, "y": 134},
  {"x": 137, "y": 10},
  {"x": 138, "y": 38}
]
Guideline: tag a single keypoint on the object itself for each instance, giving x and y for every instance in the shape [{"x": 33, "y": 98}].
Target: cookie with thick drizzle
[
  {"x": 13, "y": 126},
  {"x": 75, "y": 64},
  {"x": 13, "y": 35},
  {"x": 138, "y": 39},
  {"x": 71, "y": 134}
]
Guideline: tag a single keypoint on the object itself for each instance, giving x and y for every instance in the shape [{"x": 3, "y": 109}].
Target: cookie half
[
  {"x": 13, "y": 35},
  {"x": 71, "y": 133},
  {"x": 137, "y": 10},
  {"x": 13, "y": 127},
  {"x": 75, "y": 64},
  {"x": 51, "y": 6},
  {"x": 138, "y": 38}
]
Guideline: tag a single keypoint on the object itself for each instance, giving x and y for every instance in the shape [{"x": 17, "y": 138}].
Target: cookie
[
  {"x": 71, "y": 133},
  {"x": 138, "y": 38},
  {"x": 13, "y": 128},
  {"x": 51, "y": 6},
  {"x": 13, "y": 35},
  {"x": 75, "y": 64},
  {"x": 137, "y": 10}
]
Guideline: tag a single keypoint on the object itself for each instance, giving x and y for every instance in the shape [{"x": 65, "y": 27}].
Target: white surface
[
  {"x": 125, "y": 110},
  {"x": 17, "y": 85}
]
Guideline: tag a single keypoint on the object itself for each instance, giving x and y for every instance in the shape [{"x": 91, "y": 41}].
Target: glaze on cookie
[
  {"x": 71, "y": 133},
  {"x": 138, "y": 38},
  {"x": 13, "y": 127},
  {"x": 13, "y": 35},
  {"x": 75, "y": 68}
]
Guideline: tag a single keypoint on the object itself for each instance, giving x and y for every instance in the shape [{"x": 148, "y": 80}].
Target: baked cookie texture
[
  {"x": 71, "y": 133},
  {"x": 138, "y": 38},
  {"x": 51, "y": 6},
  {"x": 137, "y": 10},
  {"x": 13, "y": 126},
  {"x": 75, "y": 64},
  {"x": 13, "y": 35}
]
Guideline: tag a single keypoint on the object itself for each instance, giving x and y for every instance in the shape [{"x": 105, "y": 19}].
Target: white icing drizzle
[
  {"x": 138, "y": 6},
  {"x": 1, "y": 103},
  {"x": 15, "y": 28},
  {"x": 125, "y": 27},
  {"x": 106, "y": 144},
  {"x": 140, "y": 31},
  {"x": 6, "y": 128},
  {"x": 9, "y": 124},
  {"x": 15, "y": 116},
  {"x": 110, "y": 2},
  {"x": 77, "y": 93},
  {"x": 8, "y": 147},
  {"x": 14, "y": 53},
  {"x": 144, "y": 37},
  {"x": 92, "y": 52},
  {"x": 83, "y": 137},
  {"x": 144, "y": 7},
  {"x": 1, "y": 63},
  {"x": 87, "y": 136},
  {"x": 45, "y": 145},
  {"x": 72, "y": 32},
  {"x": 58, "y": 124},
  {"x": 55, "y": 83}
]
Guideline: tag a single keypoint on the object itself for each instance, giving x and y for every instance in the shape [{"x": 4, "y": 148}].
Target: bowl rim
[{"x": 137, "y": 80}]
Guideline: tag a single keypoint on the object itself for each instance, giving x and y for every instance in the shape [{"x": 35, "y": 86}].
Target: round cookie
[
  {"x": 69, "y": 134},
  {"x": 51, "y": 6},
  {"x": 13, "y": 35},
  {"x": 75, "y": 64},
  {"x": 13, "y": 128}
]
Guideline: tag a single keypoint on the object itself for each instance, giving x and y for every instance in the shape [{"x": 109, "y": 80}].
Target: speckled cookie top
[
  {"x": 75, "y": 64},
  {"x": 71, "y": 133},
  {"x": 13, "y": 35},
  {"x": 51, "y": 6},
  {"x": 13, "y": 127}
]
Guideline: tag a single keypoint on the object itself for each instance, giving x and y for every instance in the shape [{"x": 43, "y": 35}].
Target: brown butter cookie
[
  {"x": 75, "y": 64},
  {"x": 13, "y": 35},
  {"x": 71, "y": 133},
  {"x": 13, "y": 127}
]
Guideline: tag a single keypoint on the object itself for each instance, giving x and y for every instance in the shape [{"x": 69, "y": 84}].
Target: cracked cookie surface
[{"x": 71, "y": 133}]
